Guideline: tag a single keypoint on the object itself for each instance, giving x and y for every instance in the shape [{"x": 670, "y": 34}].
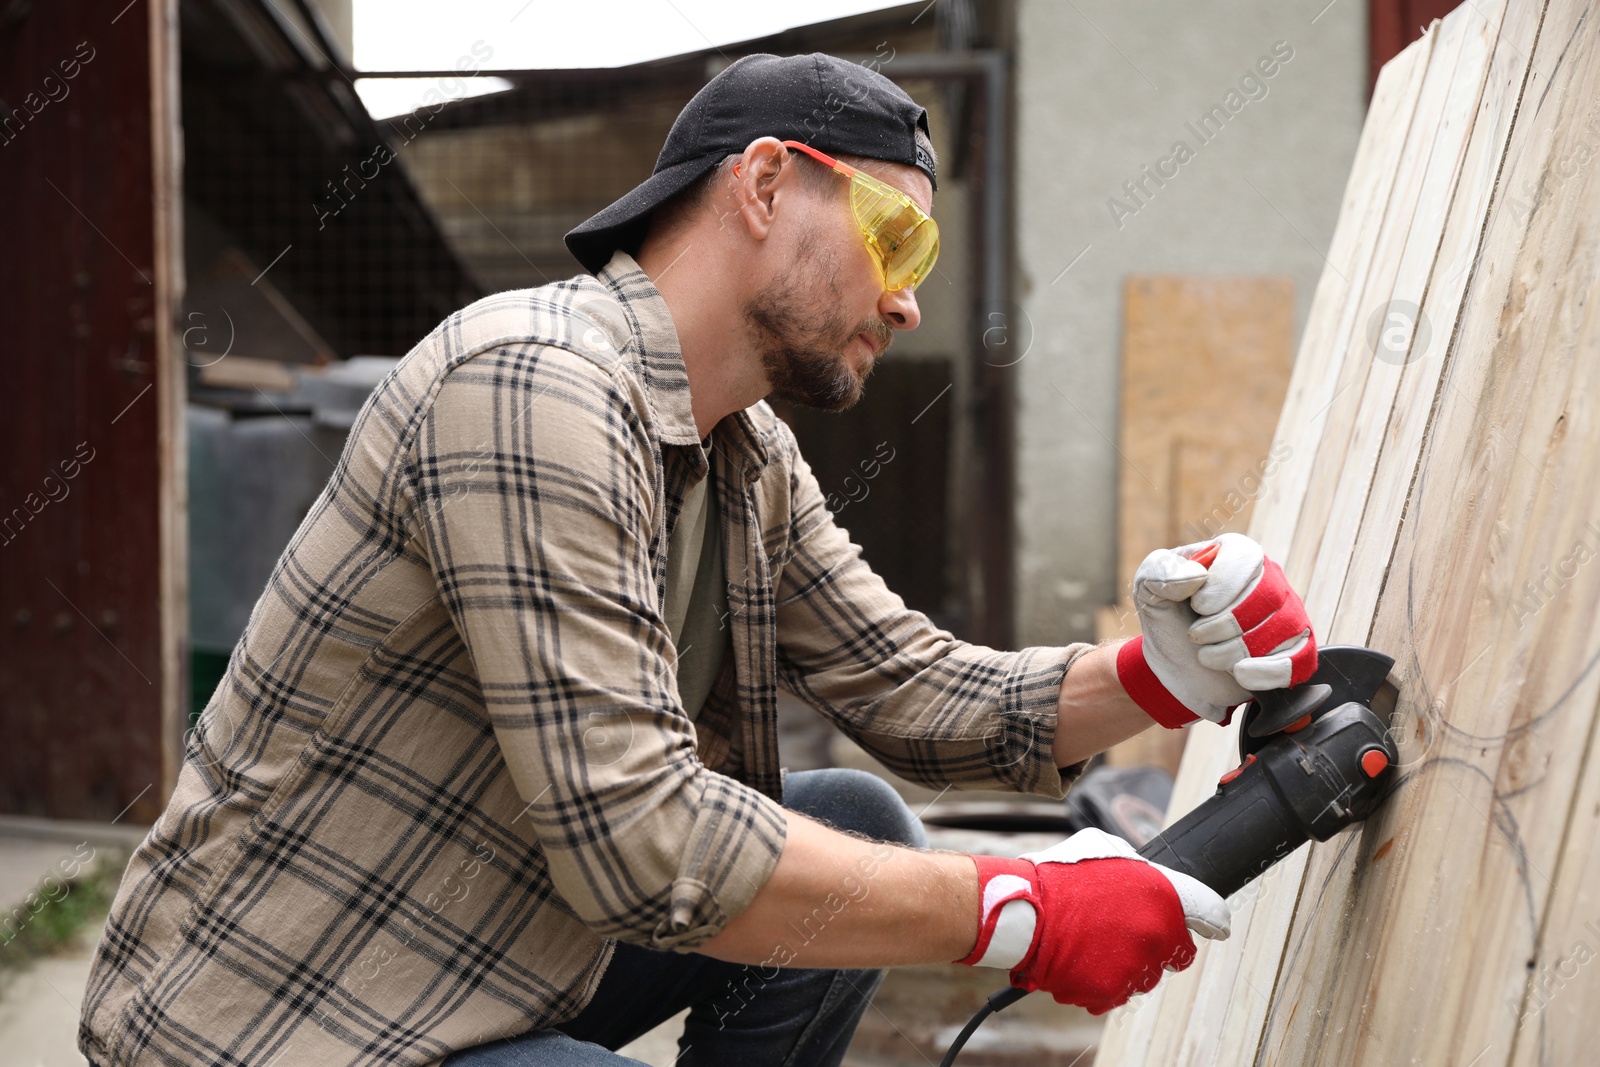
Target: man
[{"x": 492, "y": 777}]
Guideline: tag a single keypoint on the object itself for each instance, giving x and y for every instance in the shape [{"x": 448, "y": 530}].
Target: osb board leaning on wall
[{"x": 1205, "y": 364}]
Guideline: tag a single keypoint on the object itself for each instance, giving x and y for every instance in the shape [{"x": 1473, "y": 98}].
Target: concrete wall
[{"x": 1104, "y": 89}]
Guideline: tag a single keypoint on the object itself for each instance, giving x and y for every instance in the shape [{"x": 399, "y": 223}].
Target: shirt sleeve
[
  {"x": 534, "y": 481},
  {"x": 931, "y": 708}
]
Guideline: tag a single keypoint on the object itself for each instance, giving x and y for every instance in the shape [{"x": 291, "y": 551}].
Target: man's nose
[{"x": 900, "y": 308}]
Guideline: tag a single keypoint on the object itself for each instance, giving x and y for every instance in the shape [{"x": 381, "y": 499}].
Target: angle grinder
[{"x": 1315, "y": 759}]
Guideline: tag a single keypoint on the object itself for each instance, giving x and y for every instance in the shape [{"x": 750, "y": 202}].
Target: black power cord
[{"x": 997, "y": 1002}]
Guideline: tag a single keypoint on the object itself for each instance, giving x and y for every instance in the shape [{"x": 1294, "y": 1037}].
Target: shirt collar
[{"x": 661, "y": 367}]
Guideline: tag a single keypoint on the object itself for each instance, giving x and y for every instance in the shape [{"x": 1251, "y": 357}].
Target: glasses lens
[
  {"x": 914, "y": 259},
  {"x": 904, "y": 240}
]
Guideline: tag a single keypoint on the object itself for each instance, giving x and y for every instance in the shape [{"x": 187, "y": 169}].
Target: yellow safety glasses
[{"x": 903, "y": 240}]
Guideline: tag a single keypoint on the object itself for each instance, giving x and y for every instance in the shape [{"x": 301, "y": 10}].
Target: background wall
[{"x": 1104, "y": 90}]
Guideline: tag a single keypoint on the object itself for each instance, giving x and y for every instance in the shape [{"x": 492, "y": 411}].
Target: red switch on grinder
[{"x": 1237, "y": 771}]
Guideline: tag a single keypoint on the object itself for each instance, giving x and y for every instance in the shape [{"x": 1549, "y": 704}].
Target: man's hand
[
  {"x": 1212, "y": 636},
  {"x": 1089, "y": 920},
  {"x": 1251, "y": 624}
]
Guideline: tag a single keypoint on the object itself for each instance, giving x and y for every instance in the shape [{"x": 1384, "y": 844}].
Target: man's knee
[{"x": 855, "y": 801}]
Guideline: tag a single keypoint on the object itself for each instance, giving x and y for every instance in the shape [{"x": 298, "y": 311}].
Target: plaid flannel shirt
[{"x": 448, "y": 766}]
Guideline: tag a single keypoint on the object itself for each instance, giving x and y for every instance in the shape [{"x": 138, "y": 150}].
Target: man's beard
[{"x": 803, "y": 352}]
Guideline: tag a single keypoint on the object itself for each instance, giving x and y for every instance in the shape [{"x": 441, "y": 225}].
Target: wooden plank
[
  {"x": 1152, "y": 1029},
  {"x": 1315, "y": 383},
  {"x": 1441, "y": 305},
  {"x": 1429, "y": 160},
  {"x": 1345, "y": 458},
  {"x": 1554, "y": 1012},
  {"x": 1444, "y": 525},
  {"x": 1435, "y": 152},
  {"x": 1331, "y": 871},
  {"x": 1475, "y": 833},
  {"x": 1409, "y": 246},
  {"x": 1393, "y": 24},
  {"x": 1343, "y": 465}
]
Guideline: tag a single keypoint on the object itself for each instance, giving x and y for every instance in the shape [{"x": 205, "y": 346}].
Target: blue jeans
[{"x": 736, "y": 1014}]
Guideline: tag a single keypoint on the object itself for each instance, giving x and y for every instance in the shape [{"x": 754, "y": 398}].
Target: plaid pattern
[{"x": 447, "y": 765}]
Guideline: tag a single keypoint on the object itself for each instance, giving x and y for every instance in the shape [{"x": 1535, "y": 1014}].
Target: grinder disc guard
[{"x": 1345, "y": 674}]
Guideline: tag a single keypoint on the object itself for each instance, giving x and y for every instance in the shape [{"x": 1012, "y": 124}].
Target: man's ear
[{"x": 763, "y": 176}]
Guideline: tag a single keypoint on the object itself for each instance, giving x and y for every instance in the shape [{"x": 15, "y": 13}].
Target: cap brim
[{"x": 622, "y": 224}]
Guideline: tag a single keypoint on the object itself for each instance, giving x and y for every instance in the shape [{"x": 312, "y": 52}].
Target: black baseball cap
[{"x": 833, "y": 105}]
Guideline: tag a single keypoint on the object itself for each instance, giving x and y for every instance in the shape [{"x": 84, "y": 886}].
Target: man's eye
[{"x": 903, "y": 225}]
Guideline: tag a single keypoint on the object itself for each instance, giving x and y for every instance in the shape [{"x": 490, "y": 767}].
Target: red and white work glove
[
  {"x": 1212, "y": 636},
  {"x": 1089, "y": 920}
]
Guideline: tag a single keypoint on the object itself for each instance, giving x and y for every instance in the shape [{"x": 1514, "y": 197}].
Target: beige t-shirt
[{"x": 697, "y": 594}]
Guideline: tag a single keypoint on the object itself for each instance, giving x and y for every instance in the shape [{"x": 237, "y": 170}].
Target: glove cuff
[
  {"x": 1147, "y": 691},
  {"x": 1008, "y": 912}
]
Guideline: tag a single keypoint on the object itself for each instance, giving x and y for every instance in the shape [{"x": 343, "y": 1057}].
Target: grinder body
[
  {"x": 1308, "y": 784},
  {"x": 1316, "y": 758}
]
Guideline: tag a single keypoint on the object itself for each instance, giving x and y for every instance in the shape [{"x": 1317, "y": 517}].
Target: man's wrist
[{"x": 1093, "y": 710}]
